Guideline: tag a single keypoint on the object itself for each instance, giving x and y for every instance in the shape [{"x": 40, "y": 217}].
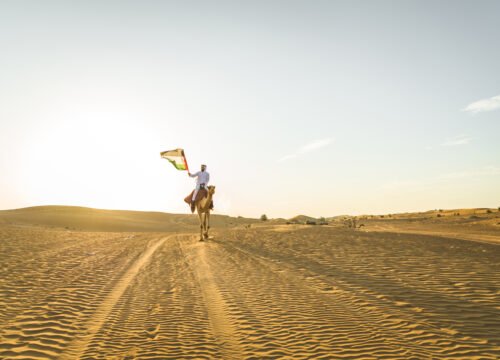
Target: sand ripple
[{"x": 317, "y": 293}]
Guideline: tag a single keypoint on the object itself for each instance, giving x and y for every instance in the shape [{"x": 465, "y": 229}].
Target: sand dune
[
  {"x": 88, "y": 219},
  {"x": 265, "y": 292},
  {"x": 466, "y": 224}
]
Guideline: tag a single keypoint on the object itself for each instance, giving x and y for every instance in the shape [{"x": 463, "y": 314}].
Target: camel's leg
[
  {"x": 205, "y": 227},
  {"x": 200, "y": 215},
  {"x": 207, "y": 215}
]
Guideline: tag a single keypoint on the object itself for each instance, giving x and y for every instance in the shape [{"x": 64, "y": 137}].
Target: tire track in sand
[
  {"x": 76, "y": 349},
  {"x": 222, "y": 327}
]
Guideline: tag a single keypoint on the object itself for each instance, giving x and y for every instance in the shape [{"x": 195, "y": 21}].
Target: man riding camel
[{"x": 202, "y": 179}]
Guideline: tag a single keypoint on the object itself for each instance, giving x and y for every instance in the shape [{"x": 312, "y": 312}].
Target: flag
[{"x": 177, "y": 158}]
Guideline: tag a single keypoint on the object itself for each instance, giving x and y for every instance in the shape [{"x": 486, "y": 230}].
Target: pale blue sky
[{"x": 316, "y": 107}]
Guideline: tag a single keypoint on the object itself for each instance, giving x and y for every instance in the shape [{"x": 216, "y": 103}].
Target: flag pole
[{"x": 185, "y": 161}]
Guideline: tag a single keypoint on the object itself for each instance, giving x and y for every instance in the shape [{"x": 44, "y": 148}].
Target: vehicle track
[
  {"x": 78, "y": 346},
  {"x": 196, "y": 254}
]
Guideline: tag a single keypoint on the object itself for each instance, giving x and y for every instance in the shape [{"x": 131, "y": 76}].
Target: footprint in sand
[
  {"x": 152, "y": 332},
  {"x": 155, "y": 309}
]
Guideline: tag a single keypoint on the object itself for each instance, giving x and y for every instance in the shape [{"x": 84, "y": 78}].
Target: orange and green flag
[{"x": 177, "y": 158}]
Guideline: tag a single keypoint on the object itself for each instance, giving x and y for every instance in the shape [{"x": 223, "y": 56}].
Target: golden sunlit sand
[{"x": 101, "y": 284}]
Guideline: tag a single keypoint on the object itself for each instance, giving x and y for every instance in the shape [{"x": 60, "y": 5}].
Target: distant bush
[
  {"x": 440, "y": 210},
  {"x": 263, "y": 217},
  {"x": 322, "y": 221},
  {"x": 489, "y": 211},
  {"x": 439, "y": 215},
  {"x": 352, "y": 223}
]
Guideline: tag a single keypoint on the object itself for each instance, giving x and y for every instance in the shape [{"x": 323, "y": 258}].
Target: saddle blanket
[{"x": 201, "y": 194}]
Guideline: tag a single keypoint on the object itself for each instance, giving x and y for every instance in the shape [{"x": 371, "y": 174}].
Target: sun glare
[{"x": 97, "y": 158}]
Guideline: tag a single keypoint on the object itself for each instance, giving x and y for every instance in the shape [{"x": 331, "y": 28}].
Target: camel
[{"x": 203, "y": 210}]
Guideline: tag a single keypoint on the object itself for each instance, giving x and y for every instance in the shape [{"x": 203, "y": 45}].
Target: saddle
[{"x": 201, "y": 194}]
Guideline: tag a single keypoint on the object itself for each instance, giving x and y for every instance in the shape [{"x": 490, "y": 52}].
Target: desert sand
[{"x": 79, "y": 283}]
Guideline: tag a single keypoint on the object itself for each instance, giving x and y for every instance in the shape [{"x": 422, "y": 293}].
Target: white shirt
[{"x": 203, "y": 177}]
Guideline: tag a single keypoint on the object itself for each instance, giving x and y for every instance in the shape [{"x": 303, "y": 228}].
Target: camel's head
[{"x": 211, "y": 189}]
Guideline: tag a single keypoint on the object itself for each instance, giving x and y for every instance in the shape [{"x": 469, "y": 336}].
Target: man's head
[{"x": 203, "y": 167}]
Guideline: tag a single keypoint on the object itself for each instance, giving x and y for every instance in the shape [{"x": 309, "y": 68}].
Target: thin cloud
[
  {"x": 455, "y": 141},
  {"x": 312, "y": 146},
  {"x": 490, "y": 104},
  {"x": 458, "y": 140},
  {"x": 485, "y": 171},
  {"x": 288, "y": 157},
  {"x": 315, "y": 145}
]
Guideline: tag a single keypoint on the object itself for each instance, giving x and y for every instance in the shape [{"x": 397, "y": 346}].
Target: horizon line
[{"x": 256, "y": 218}]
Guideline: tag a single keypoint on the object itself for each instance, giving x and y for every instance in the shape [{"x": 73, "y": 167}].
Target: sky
[{"x": 297, "y": 107}]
